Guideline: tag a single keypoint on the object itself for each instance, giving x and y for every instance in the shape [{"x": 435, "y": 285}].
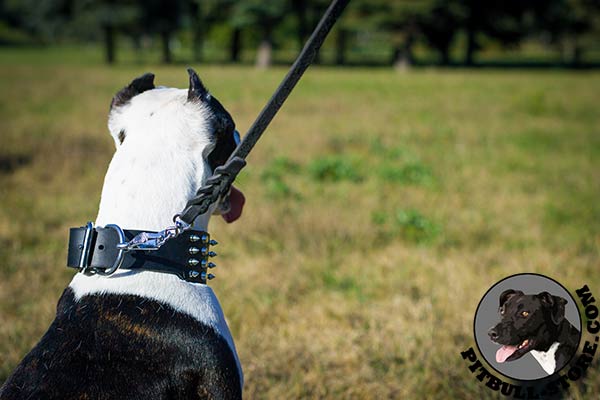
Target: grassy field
[{"x": 380, "y": 208}]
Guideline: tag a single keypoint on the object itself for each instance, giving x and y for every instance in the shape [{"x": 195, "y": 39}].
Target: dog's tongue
[
  {"x": 236, "y": 200},
  {"x": 504, "y": 352}
]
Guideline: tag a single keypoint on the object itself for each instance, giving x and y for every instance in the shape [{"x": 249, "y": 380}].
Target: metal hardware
[
  {"x": 205, "y": 238},
  {"x": 204, "y": 276},
  {"x": 213, "y": 242},
  {"x": 187, "y": 262},
  {"x": 85, "y": 247},
  {"x": 194, "y": 238},
  {"x": 117, "y": 264},
  {"x": 212, "y": 254},
  {"x": 152, "y": 240}
]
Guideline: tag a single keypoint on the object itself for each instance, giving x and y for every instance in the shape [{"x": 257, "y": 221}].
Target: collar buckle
[
  {"x": 120, "y": 255},
  {"x": 85, "y": 246}
]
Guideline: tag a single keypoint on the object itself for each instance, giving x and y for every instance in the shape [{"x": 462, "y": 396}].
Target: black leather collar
[{"x": 185, "y": 255}]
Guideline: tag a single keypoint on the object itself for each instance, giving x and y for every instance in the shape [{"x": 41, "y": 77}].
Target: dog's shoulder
[{"x": 103, "y": 345}]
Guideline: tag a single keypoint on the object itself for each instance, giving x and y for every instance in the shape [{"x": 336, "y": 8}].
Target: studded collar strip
[{"x": 95, "y": 250}]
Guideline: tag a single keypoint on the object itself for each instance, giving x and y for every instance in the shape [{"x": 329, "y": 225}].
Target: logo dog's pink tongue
[
  {"x": 236, "y": 200},
  {"x": 504, "y": 352}
]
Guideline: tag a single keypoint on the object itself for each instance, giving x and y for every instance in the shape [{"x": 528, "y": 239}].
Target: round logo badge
[{"x": 527, "y": 327}]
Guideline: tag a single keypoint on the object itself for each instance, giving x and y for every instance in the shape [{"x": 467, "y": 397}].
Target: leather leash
[{"x": 219, "y": 183}]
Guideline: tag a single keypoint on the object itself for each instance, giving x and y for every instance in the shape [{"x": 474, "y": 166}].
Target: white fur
[
  {"x": 547, "y": 358},
  {"x": 159, "y": 166}
]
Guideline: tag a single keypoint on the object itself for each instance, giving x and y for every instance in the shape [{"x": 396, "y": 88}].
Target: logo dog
[
  {"x": 142, "y": 334},
  {"x": 535, "y": 324}
]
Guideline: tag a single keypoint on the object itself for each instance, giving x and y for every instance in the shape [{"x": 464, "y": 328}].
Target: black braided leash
[{"x": 220, "y": 182}]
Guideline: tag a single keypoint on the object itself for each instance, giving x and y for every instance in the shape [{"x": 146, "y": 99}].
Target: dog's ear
[
  {"x": 137, "y": 86},
  {"x": 197, "y": 91},
  {"x": 507, "y": 294},
  {"x": 555, "y": 304}
]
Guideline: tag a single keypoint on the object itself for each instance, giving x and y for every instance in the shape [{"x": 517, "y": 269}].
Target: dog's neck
[{"x": 139, "y": 193}]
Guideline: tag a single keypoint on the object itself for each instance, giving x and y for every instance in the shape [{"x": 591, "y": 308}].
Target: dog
[
  {"x": 536, "y": 324},
  {"x": 141, "y": 334}
]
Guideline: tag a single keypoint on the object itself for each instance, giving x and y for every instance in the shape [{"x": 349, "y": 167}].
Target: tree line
[{"x": 570, "y": 27}]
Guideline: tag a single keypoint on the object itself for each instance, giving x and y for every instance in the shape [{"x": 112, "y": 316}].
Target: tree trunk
[
  {"x": 403, "y": 56},
  {"x": 445, "y": 56},
  {"x": 236, "y": 45},
  {"x": 340, "y": 45},
  {"x": 198, "y": 44},
  {"x": 576, "y": 55},
  {"x": 136, "y": 40},
  {"x": 471, "y": 46},
  {"x": 197, "y": 30},
  {"x": 165, "y": 36},
  {"x": 264, "y": 56},
  {"x": 474, "y": 20},
  {"x": 109, "y": 43},
  {"x": 300, "y": 7}
]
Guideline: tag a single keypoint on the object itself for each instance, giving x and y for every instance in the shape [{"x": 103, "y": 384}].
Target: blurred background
[
  {"x": 373, "y": 32},
  {"x": 435, "y": 148}
]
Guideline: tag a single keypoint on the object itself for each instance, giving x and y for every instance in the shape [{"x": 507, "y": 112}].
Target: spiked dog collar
[{"x": 102, "y": 251}]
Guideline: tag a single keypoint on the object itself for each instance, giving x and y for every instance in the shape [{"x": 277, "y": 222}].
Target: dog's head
[
  {"x": 528, "y": 322},
  {"x": 169, "y": 141}
]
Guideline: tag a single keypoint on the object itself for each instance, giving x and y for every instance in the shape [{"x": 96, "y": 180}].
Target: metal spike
[
  {"x": 204, "y": 251},
  {"x": 212, "y": 254},
  {"x": 194, "y": 250},
  {"x": 211, "y": 265},
  {"x": 205, "y": 238},
  {"x": 213, "y": 242},
  {"x": 194, "y": 238},
  {"x": 211, "y": 276},
  {"x": 192, "y": 262},
  {"x": 203, "y": 263},
  {"x": 194, "y": 274}
]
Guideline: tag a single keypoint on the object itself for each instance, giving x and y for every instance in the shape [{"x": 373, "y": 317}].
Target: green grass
[{"x": 380, "y": 208}]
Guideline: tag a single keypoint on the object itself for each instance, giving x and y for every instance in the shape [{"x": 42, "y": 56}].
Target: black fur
[
  {"x": 223, "y": 128},
  {"x": 125, "y": 347},
  {"x": 137, "y": 86},
  {"x": 221, "y": 123}
]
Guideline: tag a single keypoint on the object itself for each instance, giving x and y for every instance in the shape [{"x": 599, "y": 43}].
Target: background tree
[
  {"x": 204, "y": 14},
  {"x": 501, "y": 20},
  {"x": 162, "y": 17},
  {"x": 104, "y": 19},
  {"x": 401, "y": 20},
  {"x": 440, "y": 25},
  {"x": 264, "y": 16},
  {"x": 570, "y": 25},
  {"x": 43, "y": 21}
]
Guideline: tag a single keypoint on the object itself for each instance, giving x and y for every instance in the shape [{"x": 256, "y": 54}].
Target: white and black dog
[
  {"x": 536, "y": 324},
  {"x": 144, "y": 334}
]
